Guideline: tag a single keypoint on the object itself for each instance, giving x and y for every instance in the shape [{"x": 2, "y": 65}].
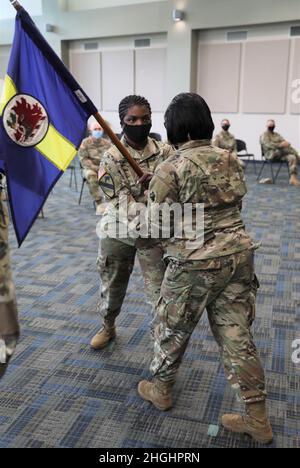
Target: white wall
[
  {"x": 4, "y": 56},
  {"x": 7, "y": 11},
  {"x": 131, "y": 74},
  {"x": 249, "y": 126},
  {"x": 1, "y": 85},
  {"x": 119, "y": 42}
]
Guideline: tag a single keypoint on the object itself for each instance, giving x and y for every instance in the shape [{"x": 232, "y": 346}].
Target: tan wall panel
[
  {"x": 219, "y": 76},
  {"x": 86, "y": 68},
  {"x": 151, "y": 76},
  {"x": 3, "y": 66},
  {"x": 265, "y": 77},
  {"x": 118, "y": 77}
]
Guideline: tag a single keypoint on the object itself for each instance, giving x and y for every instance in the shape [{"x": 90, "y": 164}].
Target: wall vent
[
  {"x": 295, "y": 31},
  {"x": 90, "y": 45},
  {"x": 234, "y": 36},
  {"x": 142, "y": 43}
]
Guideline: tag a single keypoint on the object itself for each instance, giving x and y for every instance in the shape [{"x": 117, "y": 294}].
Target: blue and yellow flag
[{"x": 43, "y": 118}]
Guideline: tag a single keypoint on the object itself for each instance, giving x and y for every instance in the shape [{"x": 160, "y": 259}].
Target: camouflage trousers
[
  {"x": 92, "y": 180},
  {"x": 290, "y": 155},
  {"x": 9, "y": 328},
  {"x": 115, "y": 264},
  {"x": 226, "y": 288}
]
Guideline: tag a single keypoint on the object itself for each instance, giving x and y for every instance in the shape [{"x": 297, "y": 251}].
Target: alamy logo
[
  {"x": 159, "y": 221},
  {"x": 296, "y": 91},
  {"x": 296, "y": 353}
]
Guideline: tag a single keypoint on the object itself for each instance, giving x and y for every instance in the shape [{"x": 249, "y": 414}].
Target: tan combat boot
[
  {"x": 255, "y": 423},
  {"x": 294, "y": 180},
  {"x": 103, "y": 337},
  {"x": 157, "y": 392}
]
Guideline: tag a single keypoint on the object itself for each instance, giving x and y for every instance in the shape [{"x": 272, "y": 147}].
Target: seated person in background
[
  {"x": 90, "y": 154},
  {"x": 276, "y": 148},
  {"x": 224, "y": 139}
]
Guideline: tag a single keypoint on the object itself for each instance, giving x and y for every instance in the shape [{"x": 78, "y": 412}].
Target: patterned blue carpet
[{"x": 59, "y": 393}]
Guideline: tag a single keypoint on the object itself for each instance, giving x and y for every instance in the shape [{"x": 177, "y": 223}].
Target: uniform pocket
[
  {"x": 213, "y": 264},
  {"x": 175, "y": 296},
  {"x": 171, "y": 315}
]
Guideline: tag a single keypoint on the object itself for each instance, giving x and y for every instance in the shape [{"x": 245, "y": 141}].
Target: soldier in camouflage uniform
[
  {"x": 90, "y": 154},
  {"x": 120, "y": 183},
  {"x": 224, "y": 139},
  {"x": 9, "y": 328},
  {"x": 276, "y": 148},
  {"x": 217, "y": 275}
]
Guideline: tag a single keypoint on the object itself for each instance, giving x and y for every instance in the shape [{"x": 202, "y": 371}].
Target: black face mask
[
  {"x": 226, "y": 127},
  {"x": 137, "y": 133},
  {"x": 271, "y": 129}
]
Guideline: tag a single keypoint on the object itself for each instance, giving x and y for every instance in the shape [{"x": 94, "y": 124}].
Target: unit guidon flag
[{"x": 43, "y": 119}]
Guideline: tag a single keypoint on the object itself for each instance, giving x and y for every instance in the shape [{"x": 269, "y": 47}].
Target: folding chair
[
  {"x": 155, "y": 136},
  {"x": 84, "y": 181},
  {"x": 243, "y": 153},
  {"x": 73, "y": 176},
  {"x": 271, "y": 162}
]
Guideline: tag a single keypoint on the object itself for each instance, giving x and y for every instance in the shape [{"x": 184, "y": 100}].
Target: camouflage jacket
[
  {"x": 91, "y": 152},
  {"x": 270, "y": 143},
  {"x": 9, "y": 327},
  {"x": 200, "y": 173},
  {"x": 119, "y": 182},
  {"x": 225, "y": 140}
]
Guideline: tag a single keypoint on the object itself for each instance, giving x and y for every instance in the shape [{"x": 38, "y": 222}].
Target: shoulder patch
[{"x": 107, "y": 184}]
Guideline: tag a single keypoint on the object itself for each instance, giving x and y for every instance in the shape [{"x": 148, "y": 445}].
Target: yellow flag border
[{"x": 54, "y": 143}]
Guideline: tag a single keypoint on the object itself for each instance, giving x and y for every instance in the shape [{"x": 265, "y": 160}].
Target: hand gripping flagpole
[{"x": 115, "y": 140}]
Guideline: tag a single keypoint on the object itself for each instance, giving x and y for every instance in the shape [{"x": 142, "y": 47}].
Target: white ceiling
[
  {"x": 74, "y": 5},
  {"x": 34, "y": 7}
]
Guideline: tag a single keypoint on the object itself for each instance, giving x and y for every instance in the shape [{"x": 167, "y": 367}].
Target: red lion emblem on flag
[{"x": 26, "y": 119}]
